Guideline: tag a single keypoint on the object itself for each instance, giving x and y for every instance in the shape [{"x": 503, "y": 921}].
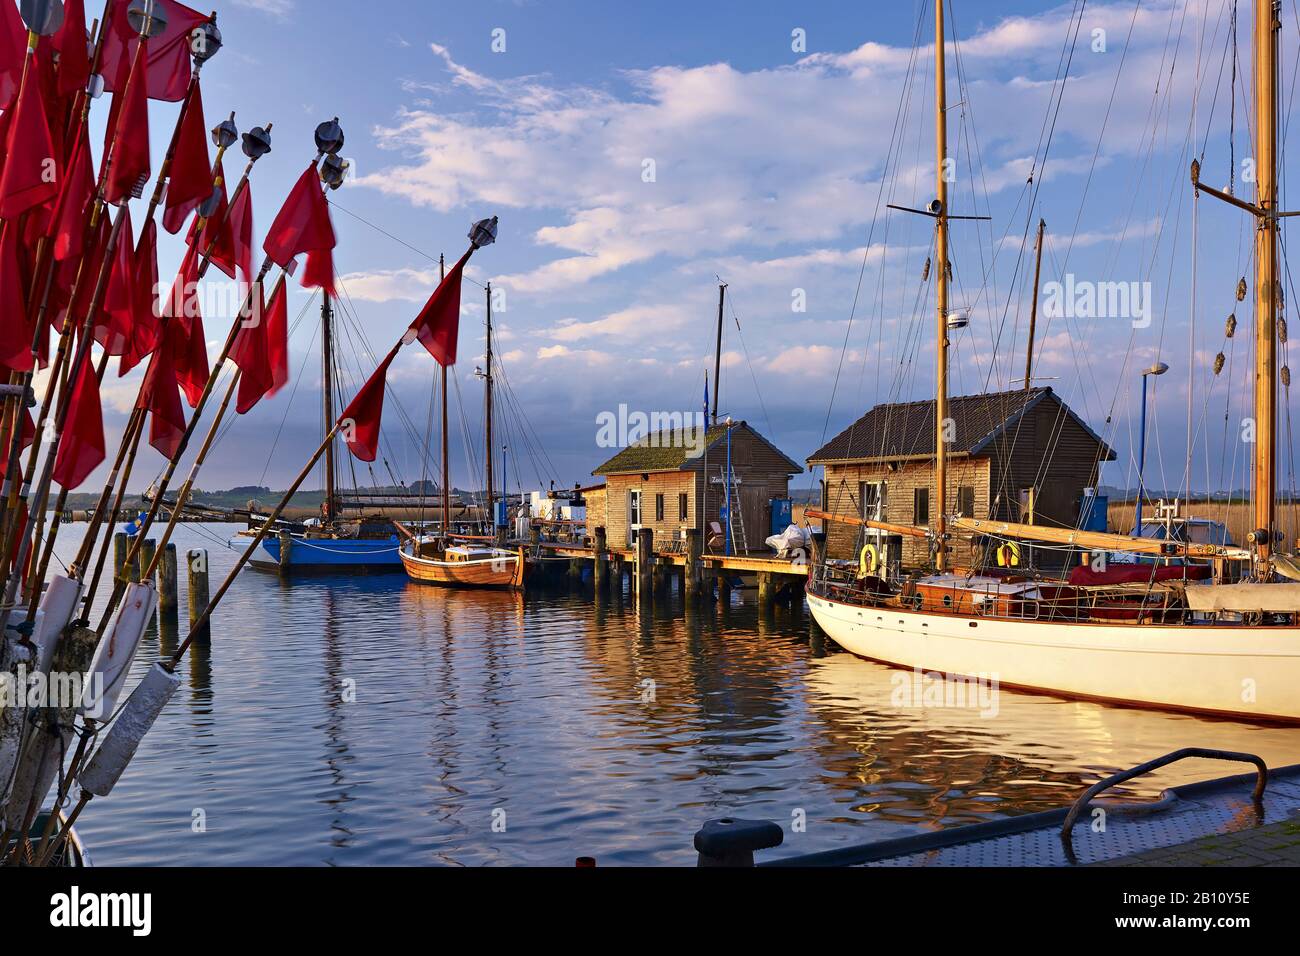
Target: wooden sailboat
[
  {"x": 1230, "y": 649},
  {"x": 461, "y": 561}
]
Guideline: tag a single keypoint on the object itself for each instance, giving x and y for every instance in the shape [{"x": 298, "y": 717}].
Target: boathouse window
[
  {"x": 921, "y": 506},
  {"x": 825, "y": 497},
  {"x": 681, "y": 506},
  {"x": 966, "y": 501},
  {"x": 659, "y": 507},
  {"x": 872, "y": 496}
]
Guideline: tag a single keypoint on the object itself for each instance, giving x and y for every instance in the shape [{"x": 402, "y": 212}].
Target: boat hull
[
  {"x": 503, "y": 572},
  {"x": 1250, "y": 673},
  {"x": 331, "y": 555}
]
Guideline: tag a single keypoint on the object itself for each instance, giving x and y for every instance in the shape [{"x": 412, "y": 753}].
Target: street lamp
[{"x": 1158, "y": 369}]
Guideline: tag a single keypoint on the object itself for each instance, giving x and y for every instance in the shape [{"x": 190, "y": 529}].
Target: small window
[
  {"x": 966, "y": 501},
  {"x": 921, "y": 506},
  {"x": 825, "y": 497},
  {"x": 659, "y": 507},
  {"x": 681, "y": 506}
]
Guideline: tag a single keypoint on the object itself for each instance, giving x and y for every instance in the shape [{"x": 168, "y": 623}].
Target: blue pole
[
  {"x": 1142, "y": 457},
  {"x": 728, "y": 490}
]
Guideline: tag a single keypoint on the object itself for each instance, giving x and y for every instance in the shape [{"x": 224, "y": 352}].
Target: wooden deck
[{"x": 745, "y": 564}]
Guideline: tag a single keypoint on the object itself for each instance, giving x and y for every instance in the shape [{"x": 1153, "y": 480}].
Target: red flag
[
  {"x": 277, "y": 339},
  {"x": 113, "y": 324},
  {"x": 190, "y": 177},
  {"x": 217, "y": 239},
  {"x": 128, "y": 153},
  {"x": 72, "y": 45},
  {"x": 13, "y": 48},
  {"x": 303, "y": 225},
  {"x": 81, "y": 448},
  {"x": 438, "y": 324},
  {"x": 188, "y": 345},
  {"x": 15, "y": 329},
  {"x": 69, "y": 219},
  {"x": 241, "y": 231},
  {"x": 251, "y": 354},
  {"x": 169, "y": 52},
  {"x": 158, "y": 396},
  {"x": 359, "y": 422},
  {"x": 146, "y": 329},
  {"x": 31, "y": 170}
]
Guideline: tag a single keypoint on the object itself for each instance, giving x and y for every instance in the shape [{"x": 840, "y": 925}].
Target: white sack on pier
[
  {"x": 123, "y": 738},
  {"x": 113, "y": 657}
]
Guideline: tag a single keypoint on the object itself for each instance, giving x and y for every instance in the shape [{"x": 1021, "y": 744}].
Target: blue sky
[{"x": 771, "y": 167}]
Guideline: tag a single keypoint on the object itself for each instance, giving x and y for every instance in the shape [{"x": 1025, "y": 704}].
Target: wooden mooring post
[
  {"x": 766, "y": 590},
  {"x": 121, "y": 544},
  {"x": 167, "y": 603},
  {"x": 724, "y": 587},
  {"x": 600, "y": 564},
  {"x": 198, "y": 575},
  {"x": 645, "y": 562},
  {"x": 286, "y": 553},
  {"x": 147, "y": 551},
  {"x": 693, "y": 574}
]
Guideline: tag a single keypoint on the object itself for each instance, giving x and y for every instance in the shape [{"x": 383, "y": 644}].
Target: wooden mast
[
  {"x": 1033, "y": 304},
  {"x": 487, "y": 413},
  {"x": 327, "y": 349},
  {"x": 941, "y": 247},
  {"x": 446, "y": 486},
  {"x": 1266, "y": 284}
]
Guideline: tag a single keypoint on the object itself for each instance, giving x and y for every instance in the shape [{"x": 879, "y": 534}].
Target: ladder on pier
[{"x": 732, "y": 493}]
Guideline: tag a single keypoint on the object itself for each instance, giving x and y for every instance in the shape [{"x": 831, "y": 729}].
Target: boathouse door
[{"x": 633, "y": 516}]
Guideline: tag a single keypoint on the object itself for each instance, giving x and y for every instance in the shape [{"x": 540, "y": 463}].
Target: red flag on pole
[
  {"x": 69, "y": 221},
  {"x": 217, "y": 237},
  {"x": 190, "y": 177},
  {"x": 31, "y": 169},
  {"x": 250, "y": 353},
  {"x": 15, "y": 330},
  {"x": 241, "y": 231},
  {"x": 303, "y": 225},
  {"x": 71, "y": 44},
  {"x": 113, "y": 324},
  {"x": 168, "y": 55},
  {"x": 359, "y": 423},
  {"x": 159, "y": 397},
  {"x": 146, "y": 329},
  {"x": 13, "y": 48},
  {"x": 127, "y": 152},
  {"x": 438, "y": 324},
  {"x": 189, "y": 346},
  {"x": 81, "y": 448},
  {"x": 26, "y": 436},
  {"x": 277, "y": 339}
]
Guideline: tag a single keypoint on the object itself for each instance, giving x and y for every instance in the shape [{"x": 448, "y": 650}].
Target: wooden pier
[{"x": 699, "y": 574}]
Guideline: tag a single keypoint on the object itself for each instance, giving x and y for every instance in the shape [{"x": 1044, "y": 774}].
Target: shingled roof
[
  {"x": 906, "y": 430},
  {"x": 673, "y": 451}
]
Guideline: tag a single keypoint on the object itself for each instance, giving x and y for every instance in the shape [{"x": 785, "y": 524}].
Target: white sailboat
[{"x": 1230, "y": 649}]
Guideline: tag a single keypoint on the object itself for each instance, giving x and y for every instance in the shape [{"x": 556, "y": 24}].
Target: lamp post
[{"x": 1158, "y": 369}]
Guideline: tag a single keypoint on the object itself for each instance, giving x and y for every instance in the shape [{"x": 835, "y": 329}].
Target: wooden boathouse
[
  {"x": 670, "y": 482},
  {"x": 1021, "y": 455}
]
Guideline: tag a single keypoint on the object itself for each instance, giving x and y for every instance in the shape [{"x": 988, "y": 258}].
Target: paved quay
[{"x": 1274, "y": 844}]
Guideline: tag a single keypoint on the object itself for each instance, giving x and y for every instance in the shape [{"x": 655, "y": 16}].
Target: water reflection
[{"x": 493, "y": 728}]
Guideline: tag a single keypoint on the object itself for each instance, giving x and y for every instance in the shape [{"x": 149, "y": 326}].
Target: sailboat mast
[
  {"x": 327, "y": 350},
  {"x": 941, "y": 251},
  {"x": 446, "y": 486},
  {"x": 717, "y": 352},
  {"x": 1266, "y": 284},
  {"x": 1033, "y": 306},
  {"x": 487, "y": 415}
]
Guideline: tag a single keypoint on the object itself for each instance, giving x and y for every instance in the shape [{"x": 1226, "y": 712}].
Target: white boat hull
[{"x": 1241, "y": 672}]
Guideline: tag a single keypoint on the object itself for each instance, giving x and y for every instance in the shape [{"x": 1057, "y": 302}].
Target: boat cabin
[
  {"x": 1021, "y": 455},
  {"x": 671, "y": 481}
]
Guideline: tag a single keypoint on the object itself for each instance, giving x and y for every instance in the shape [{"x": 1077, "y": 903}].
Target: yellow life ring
[
  {"x": 868, "y": 560},
  {"x": 1009, "y": 555}
]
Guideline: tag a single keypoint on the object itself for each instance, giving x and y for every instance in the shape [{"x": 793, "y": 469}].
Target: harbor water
[{"x": 369, "y": 720}]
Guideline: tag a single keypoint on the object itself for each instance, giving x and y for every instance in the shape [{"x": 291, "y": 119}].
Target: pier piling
[
  {"x": 600, "y": 569},
  {"x": 121, "y": 544},
  {"x": 286, "y": 549},
  {"x": 724, "y": 588},
  {"x": 645, "y": 562},
  {"x": 198, "y": 575},
  {"x": 766, "y": 590},
  {"x": 167, "y": 584},
  {"x": 692, "y": 576}
]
